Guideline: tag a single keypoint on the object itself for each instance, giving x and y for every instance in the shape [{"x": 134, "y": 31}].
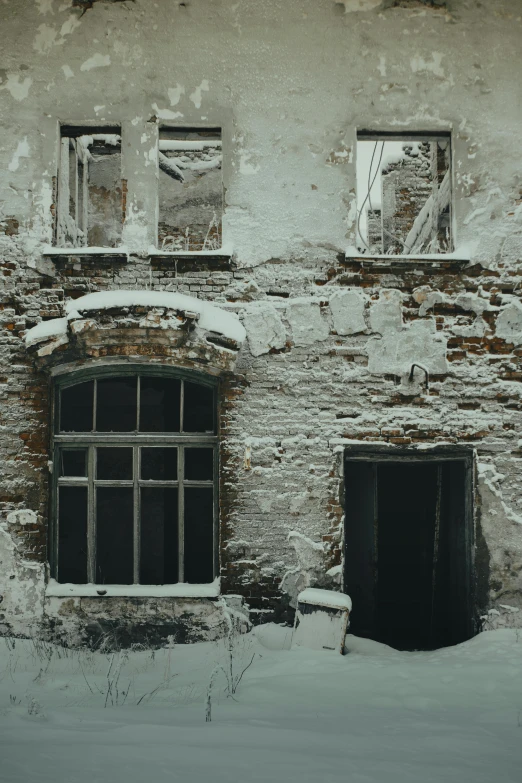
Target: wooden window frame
[{"x": 135, "y": 440}]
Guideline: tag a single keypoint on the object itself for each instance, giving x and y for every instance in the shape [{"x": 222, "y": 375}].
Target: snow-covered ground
[{"x": 372, "y": 715}]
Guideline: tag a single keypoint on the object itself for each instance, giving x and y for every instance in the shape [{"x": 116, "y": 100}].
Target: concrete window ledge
[
  {"x": 181, "y": 590},
  {"x": 458, "y": 256},
  {"x": 109, "y": 252}
]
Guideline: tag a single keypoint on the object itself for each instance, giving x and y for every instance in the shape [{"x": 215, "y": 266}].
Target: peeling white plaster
[
  {"x": 22, "y": 151},
  {"x": 348, "y": 312},
  {"x": 196, "y": 97},
  {"x": 307, "y": 324},
  {"x": 19, "y": 89},
  {"x": 397, "y": 350},
  {"x": 96, "y": 61},
  {"x": 68, "y": 71},
  {"x": 264, "y": 328},
  {"x": 509, "y": 323},
  {"x": 45, "y": 7},
  {"x": 175, "y": 94},
  {"x": 45, "y": 38},
  {"x": 418, "y": 64},
  {"x": 353, "y": 6},
  {"x": 166, "y": 114},
  {"x": 245, "y": 167}
]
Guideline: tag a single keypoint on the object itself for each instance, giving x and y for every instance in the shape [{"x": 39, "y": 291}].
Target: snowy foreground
[{"x": 296, "y": 716}]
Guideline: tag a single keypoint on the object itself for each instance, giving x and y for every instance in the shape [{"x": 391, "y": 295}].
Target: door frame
[{"x": 377, "y": 453}]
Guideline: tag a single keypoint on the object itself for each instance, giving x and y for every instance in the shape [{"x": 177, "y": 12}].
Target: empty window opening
[
  {"x": 408, "y": 551},
  {"x": 190, "y": 189},
  {"x": 404, "y": 194},
  {"x": 90, "y": 195},
  {"x": 136, "y": 499}
]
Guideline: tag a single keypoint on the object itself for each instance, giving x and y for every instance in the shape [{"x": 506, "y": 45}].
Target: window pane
[
  {"x": 114, "y": 535},
  {"x": 159, "y": 464},
  {"x": 116, "y": 405},
  {"x": 114, "y": 463},
  {"x": 198, "y": 413},
  {"x": 159, "y": 404},
  {"x": 199, "y": 464},
  {"x": 199, "y": 535},
  {"x": 73, "y": 462},
  {"x": 72, "y": 534},
  {"x": 76, "y": 407},
  {"x": 159, "y": 536}
]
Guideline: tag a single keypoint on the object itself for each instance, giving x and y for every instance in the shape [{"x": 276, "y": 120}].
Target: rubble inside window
[
  {"x": 190, "y": 189},
  {"x": 404, "y": 194},
  {"x": 91, "y": 208}
]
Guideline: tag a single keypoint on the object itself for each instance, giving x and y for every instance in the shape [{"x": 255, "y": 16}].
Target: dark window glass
[
  {"x": 199, "y": 527},
  {"x": 159, "y": 535},
  {"x": 76, "y": 408},
  {"x": 114, "y": 535},
  {"x": 198, "y": 411},
  {"x": 114, "y": 463},
  {"x": 159, "y": 464},
  {"x": 72, "y": 535},
  {"x": 159, "y": 404},
  {"x": 116, "y": 405},
  {"x": 199, "y": 464},
  {"x": 73, "y": 462}
]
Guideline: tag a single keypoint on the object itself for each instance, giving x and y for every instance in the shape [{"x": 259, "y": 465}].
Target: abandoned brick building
[{"x": 244, "y": 349}]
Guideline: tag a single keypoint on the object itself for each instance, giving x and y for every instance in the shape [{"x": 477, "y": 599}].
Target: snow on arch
[{"x": 211, "y": 318}]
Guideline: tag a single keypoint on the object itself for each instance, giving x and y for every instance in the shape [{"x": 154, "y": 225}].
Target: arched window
[{"x": 135, "y": 467}]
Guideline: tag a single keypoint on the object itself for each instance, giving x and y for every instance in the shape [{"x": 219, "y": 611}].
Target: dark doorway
[{"x": 408, "y": 543}]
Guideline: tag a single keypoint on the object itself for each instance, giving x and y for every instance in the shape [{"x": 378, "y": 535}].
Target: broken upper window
[
  {"x": 91, "y": 208},
  {"x": 404, "y": 194},
  {"x": 135, "y": 480},
  {"x": 190, "y": 189}
]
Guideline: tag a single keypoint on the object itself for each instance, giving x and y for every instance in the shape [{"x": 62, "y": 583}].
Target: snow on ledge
[
  {"x": 123, "y": 250},
  {"x": 211, "y": 318},
  {"x": 46, "y": 330},
  {"x": 88, "y": 250},
  {"x": 180, "y": 590},
  {"x": 329, "y": 598}
]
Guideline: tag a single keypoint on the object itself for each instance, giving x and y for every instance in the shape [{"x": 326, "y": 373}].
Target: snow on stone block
[
  {"x": 307, "y": 323},
  {"x": 509, "y": 323},
  {"x": 330, "y": 598},
  {"x": 348, "y": 312},
  {"x": 264, "y": 328},
  {"x": 321, "y": 620}
]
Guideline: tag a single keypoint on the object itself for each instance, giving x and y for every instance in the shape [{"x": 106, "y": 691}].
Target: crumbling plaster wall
[{"x": 331, "y": 340}]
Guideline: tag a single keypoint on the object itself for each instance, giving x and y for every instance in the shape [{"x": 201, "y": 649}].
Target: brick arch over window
[{"x": 135, "y": 454}]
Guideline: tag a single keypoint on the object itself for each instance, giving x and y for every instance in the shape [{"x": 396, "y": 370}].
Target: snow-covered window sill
[
  {"x": 121, "y": 252},
  {"x": 460, "y": 255},
  {"x": 179, "y": 590},
  {"x": 117, "y": 252},
  {"x": 221, "y": 252}
]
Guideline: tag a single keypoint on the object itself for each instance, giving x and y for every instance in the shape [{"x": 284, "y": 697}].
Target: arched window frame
[{"x": 137, "y": 440}]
